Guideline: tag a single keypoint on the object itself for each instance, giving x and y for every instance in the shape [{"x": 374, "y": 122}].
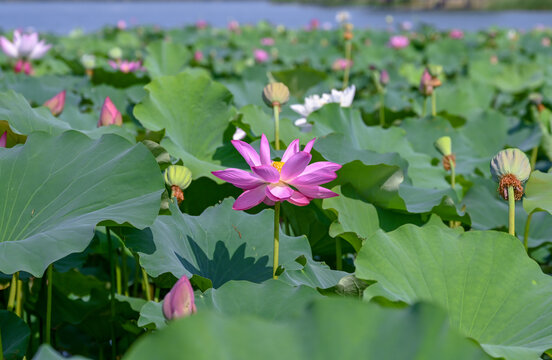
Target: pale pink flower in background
[
  {"x": 198, "y": 56},
  {"x": 126, "y": 66},
  {"x": 260, "y": 56},
  {"x": 545, "y": 42},
  {"x": 341, "y": 64},
  {"x": 313, "y": 24},
  {"x": 201, "y": 24},
  {"x": 109, "y": 114},
  {"x": 233, "y": 25},
  {"x": 267, "y": 41},
  {"x": 24, "y": 46},
  {"x": 121, "y": 24},
  {"x": 398, "y": 42},
  {"x": 493, "y": 59},
  {"x": 406, "y": 25},
  {"x": 57, "y": 103},
  {"x": 291, "y": 179},
  {"x": 456, "y": 34},
  {"x": 180, "y": 301}
]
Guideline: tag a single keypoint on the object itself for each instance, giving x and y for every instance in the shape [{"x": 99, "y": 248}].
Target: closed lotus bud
[
  {"x": 56, "y": 103},
  {"x": 384, "y": 77},
  {"x": 426, "y": 87},
  {"x": 110, "y": 115},
  {"x": 180, "y": 301},
  {"x": 178, "y": 177},
  {"x": 444, "y": 146},
  {"x": 510, "y": 167},
  {"x": 276, "y": 94},
  {"x": 88, "y": 61},
  {"x": 4, "y": 139}
]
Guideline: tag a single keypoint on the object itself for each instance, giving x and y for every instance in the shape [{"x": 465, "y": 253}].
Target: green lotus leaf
[
  {"x": 55, "y": 190},
  {"x": 492, "y": 291},
  {"x": 166, "y": 58},
  {"x": 538, "y": 192},
  {"x": 15, "y": 335}
]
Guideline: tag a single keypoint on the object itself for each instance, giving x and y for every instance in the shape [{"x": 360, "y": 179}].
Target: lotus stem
[
  {"x": 424, "y": 106},
  {"x": 19, "y": 298},
  {"x": 276, "y": 239},
  {"x": 276, "y": 127},
  {"x": 452, "y": 175},
  {"x": 118, "y": 274},
  {"x": 145, "y": 284},
  {"x": 526, "y": 232},
  {"x": 382, "y": 109},
  {"x": 137, "y": 269},
  {"x": 338, "y": 254},
  {"x": 1, "y": 349},
  {"x": 434, "y": 103},
  {"x": 534, "y": 154},
  {"x": 13, "y": 292},
  {"x": 111, "y": 291},
  {"x": 348, "y": 47},
  {"x": 511, "y": 211},
  {"x": 49, "y": 285},
  {"x": 124, "y": 268}
]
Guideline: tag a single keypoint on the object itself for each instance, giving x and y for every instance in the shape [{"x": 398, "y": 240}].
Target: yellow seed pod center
[{"x": 278, "y": 165}]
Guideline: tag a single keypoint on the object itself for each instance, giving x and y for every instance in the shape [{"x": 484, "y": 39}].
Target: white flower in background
[
  {"x": 343, "y": 17},
  {"x": 512, "y": 34},
  {"x": 315, "y": 102},
  {"x": 238, "y": 134},
  {"x": 327, "y": 25}
]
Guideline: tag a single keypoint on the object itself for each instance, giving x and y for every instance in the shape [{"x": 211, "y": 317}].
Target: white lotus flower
[
  {"x": 343, "y": 17},
  {"x": 239, "y": 134},
  {"x": 24, "y": 46},
  {"x": 312, "y": 103},
  {"x": 344, "y": 98}
]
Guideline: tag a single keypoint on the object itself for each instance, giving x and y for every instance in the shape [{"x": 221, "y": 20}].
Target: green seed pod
[
  {"x": 115, "y": 53},
  {"x": 444, "y": 145},
  {"x": 178, "y": 175},
  {"x": 435, "y": 70},
  {"x": 511, "y": 161},
  {"x": 275, "y": 94}
]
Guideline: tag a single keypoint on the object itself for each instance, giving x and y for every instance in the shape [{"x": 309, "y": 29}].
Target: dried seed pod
[
  {"x": 510, "y": 167},
  {"x": 275, "y": 94}
]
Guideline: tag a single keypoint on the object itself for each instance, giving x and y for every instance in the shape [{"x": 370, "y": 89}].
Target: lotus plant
[
  {"x": 456, "y": 34},
  {"x": 180, "y": 301},
  {"x": 444, "y": 146},
  {"x": 178, "y": 177},
  {"x": 398, "y": 42},
  {"x": 24, "y": 48},
  {"x": 270, "y": 181},
  {"x": 510, "y": 168},
  {"x": 126, "y": 66},
  {"x": 276, "y": 95},
  {"x": 109, "y": 114},
  {"x": 88, "y": 61},
  {"x": 348, "y": 38},
  {"x": 381, "y": 79},
  {"x": 260, "y": 56},
  {"x": 57, "y": 103}
]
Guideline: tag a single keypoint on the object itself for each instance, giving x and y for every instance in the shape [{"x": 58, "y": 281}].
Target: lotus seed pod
[
  {"x": 115, "y": 53},
  {"x": 88, "y": 61},
  {"x": 435, "y": 70},
  {"x": 178, "y": 175},
  {"x": 276, "y": 94},
  {"x": 510, "y": 168},
  {"x": 444, "y": 145}
]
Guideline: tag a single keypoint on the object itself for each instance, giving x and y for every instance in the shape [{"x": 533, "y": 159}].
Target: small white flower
[
  {"x": 239, "y": 134},
  {"x": 312, "y": 103},
  {"x": 343, "y": 17},
  {"x": 512, "y": 34},
  {"x": 344, "y": 98}
]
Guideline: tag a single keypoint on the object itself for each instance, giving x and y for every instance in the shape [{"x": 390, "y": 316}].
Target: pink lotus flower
[
  {"x": 313, "y": 24},
  {"x": 456, "y": 34},
  {"x": 23, "y": 66},
  {"x": 341, "y": 64},
  {"x": 234, "y": 25},
  {"x": 545, "y": 42},
  {"x": 398, "y": 42},
  {"x": 109, "y": 114},
  {"x": 201, "y": 24},
  {"x": 198, "y": 56},
  {"x": 24, "y": 46},
  {"x": 121, "y": 24},
  {"x": 270, "y": 181},
  {"x": 4, "y": 139},
  {"x": 56, "y": 103},
  {"x": 426, "y": 84},
  {"x": 267, "y": 41},
  {"x": 180, "y": 301},
  {"x": 260, "y": 56},
  {"x": 126, "y": 66}
]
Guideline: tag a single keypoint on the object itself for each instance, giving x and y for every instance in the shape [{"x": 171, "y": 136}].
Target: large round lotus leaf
[
  {"x": 538, "y": 190},
  {"x": 224, "y": 244},
  {"x": 46, "y": 352},
  {"x": 15, "y": 335},
  {"x": 195, "y": 112},
  {"x": 492, "y": 291},
  {"x": 54, "y": 190},
  {"x": 509, "y": 78},
  {"x": 166, "y": 58},
  {"x": 329, "y": 329}
]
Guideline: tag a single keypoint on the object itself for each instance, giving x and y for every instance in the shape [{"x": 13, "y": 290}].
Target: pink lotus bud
[
  {"x": 179, "y": 302},
  {"x": 201, "y": 24},
  {"x": 456, "y": 34},
  {"x": 198, "y": 56},
  {"x": 267, "y": 41},
  {"x": 341, "y": 64},
  {"x": 121, "y": 24},
  {"x": 3, "y": 139},
  {"x": 56, "y": 103},
  {"x": 426, "y": 87},
  {"x": 233, "y": 25},
  {"x": 545, "y": 42},
  {"x": 110, "y": 115},
  {"x": 260, "y": 56},
  {"x": 398, "y": 42},
  {"x": 314, "y": 24},
  {"x": 384, "y": 77}
]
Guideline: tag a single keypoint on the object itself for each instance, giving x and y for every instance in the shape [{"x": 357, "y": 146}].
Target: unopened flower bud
[
  {"x": 180, "y": 301},
  {"x": 178, "y": 177},
  {"x": 384, "y": 77},
  {"x": 426, "y": 87},
  {"x": 510, "y": 167},
  {"x": 276, "y": 94},
  {"x": 109, "y": 114},
  {"x": 56, "y": 103}
]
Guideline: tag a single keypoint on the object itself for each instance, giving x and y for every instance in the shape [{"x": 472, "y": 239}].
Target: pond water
[{"x": 62, "y": 17}]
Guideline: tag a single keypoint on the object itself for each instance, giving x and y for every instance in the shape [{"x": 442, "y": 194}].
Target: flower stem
[
  {"x": 276, "y": 239},
  {"x": 338, "y": 254},
  {"x": 19, "y": 298},
  {"x": 452, "y": 175},
  {"x": 382, "y": 109},
  {"x": 424, "y": 106},
  {"x": 526, "y": 233},
  {"x": 111, "y": 257},
  {"x": 49, "y": 285},
  {"x": 1, "y": 349},
  {"x": 511, "y": 211},
  {"x": 13, "y": 292},
  {"x": 124, "y": 268},
  {"x": 434, "y": 103},
  {"x": 534, "y": 154},
  {"x": 276, "y": 127},
  {"x": 348, "y": 46},
  {"x": 118, "y": 274},
  {"x": 145, "y": 284}
]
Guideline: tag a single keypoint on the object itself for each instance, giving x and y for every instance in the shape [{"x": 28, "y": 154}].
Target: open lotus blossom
[
  {"x": 456, "y": 34},
  {"x": 201, "y": 24},
  {"x": 267, "y": 41},
  {"x": 110, "y": 115},
  {"x": 341, "y": 64},
  {"x": 121, "y": 24},
  {"x": 126, "y": 66},
  {"x": 180, "y": 301},
  {"x": 260, "y": 56},
  {"x": 315, "y": 102},
  {"x": 406, "y": 25},
  {"x": 56, "y": 104},
  {"x": 234, "y": 26},
  {"x": 398, "y": 42},
  {"x": 198, "y": 56},
  {"x": 24, "y": 46},
  {"x": 4, "y": 139},
  {"x": 343, "y": 17},
  {"x": 290, "y": 179}
]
